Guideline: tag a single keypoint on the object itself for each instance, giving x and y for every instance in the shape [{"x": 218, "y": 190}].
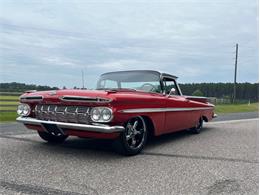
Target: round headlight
[
  {"x": 23, "y": 110},
  {"x": 106, "y": 114},
  {"x": 95, "y": 114},
  {"x": 101, "y": 114}
]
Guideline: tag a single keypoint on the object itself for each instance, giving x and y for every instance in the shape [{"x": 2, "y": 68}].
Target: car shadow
[
  {"x": 104, "y": 148},
  {"x": 173, "y": 137}
]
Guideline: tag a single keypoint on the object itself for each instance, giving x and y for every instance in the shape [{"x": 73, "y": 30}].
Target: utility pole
[
  {"x": 82, "y": 74},
  {"x": 235, "y": 76}
]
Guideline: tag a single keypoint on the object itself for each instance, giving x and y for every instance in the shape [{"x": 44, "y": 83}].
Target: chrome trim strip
[
  {"x": 84, "y": 99},
  {"x": 148, "y": 110},
  {"x": 30, "y": 91},
  {"x": 195, "y": 97},
  {"x": 81, "y": 127},
  {"x": 31, "y": 98}
]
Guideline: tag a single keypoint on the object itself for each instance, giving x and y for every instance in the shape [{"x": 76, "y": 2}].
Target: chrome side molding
[{"x": 148, "y": 110}]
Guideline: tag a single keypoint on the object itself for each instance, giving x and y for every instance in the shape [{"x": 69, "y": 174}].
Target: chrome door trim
[{"x": 149, "y": 110}]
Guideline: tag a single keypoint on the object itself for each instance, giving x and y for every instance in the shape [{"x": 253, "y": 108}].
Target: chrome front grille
[{"x": 72, "y": 114}]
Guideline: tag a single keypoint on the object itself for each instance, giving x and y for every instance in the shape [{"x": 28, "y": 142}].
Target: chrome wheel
[
  {"x": 133, "y": 139},
  {"x": 135, "y": 132}
]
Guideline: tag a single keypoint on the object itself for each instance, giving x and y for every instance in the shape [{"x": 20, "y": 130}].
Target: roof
[
  {"x": 151, "y": 71},
  {"x": 168, "y": 75}
]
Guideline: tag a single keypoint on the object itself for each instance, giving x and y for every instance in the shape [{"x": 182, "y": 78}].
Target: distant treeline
[
  {"x": 245, "y": 91},
  {"x": 22, "y": 87}
]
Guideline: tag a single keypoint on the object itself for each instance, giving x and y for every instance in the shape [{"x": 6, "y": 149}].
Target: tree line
[
  {"x": 22, "y": 87},
  {"x": 245, "y": 91}
]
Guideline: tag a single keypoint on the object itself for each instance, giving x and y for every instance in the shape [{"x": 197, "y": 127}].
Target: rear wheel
[
  {"x": 198, "y": 127},
  {"x": 52, "y": 138},
  {"x": 133, "y": 139}
]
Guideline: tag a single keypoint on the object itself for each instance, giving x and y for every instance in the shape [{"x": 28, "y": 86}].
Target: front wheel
[
  {"x": 52, "y": 138},
  {"x": 133, "y": 139}
]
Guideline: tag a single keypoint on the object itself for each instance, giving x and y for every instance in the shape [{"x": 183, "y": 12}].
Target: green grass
[
  {"x": 14, "y": 100},
  {"x": 232, "y": 108},
  {"x": 7, "y": 116},
  {"x": 8, "y": 108},
  {"x": 8, "y": 103},
  {"x": 9, "y": 97}
]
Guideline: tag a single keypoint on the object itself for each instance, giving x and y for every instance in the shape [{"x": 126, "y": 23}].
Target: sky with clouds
[{"x": 51, "y": 42}]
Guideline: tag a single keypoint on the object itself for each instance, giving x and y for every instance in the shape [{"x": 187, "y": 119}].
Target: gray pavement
[
  {"x": 236, "y": 116},
  {"x": 223, "y": 159}
]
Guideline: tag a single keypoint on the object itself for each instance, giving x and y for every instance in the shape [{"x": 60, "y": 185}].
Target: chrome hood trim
[
  {"x": 31, "y": 98},
  {"x": 70, "y": 98}
]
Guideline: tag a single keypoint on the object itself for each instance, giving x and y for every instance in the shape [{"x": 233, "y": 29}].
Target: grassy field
[
  {"x": 232, "y": 108},
  {"x": 3, "y": 103},
  {"x": 7, "y": 116},
  {"x": 8, "y": 108},
  {"x": 9, "y": 97},
  {"x": 8, "y": 103}
]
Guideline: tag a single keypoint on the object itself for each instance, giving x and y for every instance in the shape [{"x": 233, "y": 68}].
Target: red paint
[
  {"x": 34, "y": 127},
  {"x": 89, "y": 134}
]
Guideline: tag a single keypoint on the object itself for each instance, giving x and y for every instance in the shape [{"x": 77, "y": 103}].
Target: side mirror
[{"x": 172, "y": 92}]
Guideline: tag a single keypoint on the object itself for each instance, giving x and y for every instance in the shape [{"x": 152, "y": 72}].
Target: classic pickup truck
[{"x": 126, "y": 106}]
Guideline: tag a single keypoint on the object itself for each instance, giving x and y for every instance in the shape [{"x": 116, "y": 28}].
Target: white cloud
[{"x": 188, "y": 38}]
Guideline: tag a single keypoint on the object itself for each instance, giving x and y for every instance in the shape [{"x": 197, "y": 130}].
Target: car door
[{"x": 176, "y": 115}]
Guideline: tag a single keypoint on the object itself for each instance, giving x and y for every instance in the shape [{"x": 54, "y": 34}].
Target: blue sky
[{"x": 50, "y": 42}]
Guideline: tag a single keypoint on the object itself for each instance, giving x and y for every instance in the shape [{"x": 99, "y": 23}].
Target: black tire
[
  {"x": 52, "y": 138},
  {"x": 198, "y": 127},
  {"x": 125, "y": 144}
]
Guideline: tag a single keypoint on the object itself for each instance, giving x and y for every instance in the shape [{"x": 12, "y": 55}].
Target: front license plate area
[{"x": 53, "y": 129}]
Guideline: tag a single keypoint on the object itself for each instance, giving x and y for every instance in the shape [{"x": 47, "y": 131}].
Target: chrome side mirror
[{"x": 172, "y": 92}]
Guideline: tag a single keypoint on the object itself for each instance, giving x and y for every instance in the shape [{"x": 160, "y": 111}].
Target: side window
[{"x": 168, "y": 85}]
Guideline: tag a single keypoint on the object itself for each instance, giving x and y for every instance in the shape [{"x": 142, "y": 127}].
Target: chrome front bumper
[{"x": 73, "y": 126}]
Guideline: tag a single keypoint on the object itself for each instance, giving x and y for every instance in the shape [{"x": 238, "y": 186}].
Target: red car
[{"x": 126, "y": 107}]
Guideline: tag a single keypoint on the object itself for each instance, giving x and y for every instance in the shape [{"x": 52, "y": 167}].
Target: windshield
[{"x": 147, "y": 81}]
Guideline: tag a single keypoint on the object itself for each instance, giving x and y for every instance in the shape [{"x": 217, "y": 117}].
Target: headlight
[
  {"x": 23, "y": 110},
  {"x": 101, "y": 114}
]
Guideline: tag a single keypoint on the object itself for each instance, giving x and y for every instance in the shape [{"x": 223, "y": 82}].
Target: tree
[{"x": 197, "y": 93}]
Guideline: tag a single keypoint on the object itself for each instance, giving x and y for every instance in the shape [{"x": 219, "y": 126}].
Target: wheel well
[
  {"x": 149, "y": 125},
  {"x": 205, "y": 118}
]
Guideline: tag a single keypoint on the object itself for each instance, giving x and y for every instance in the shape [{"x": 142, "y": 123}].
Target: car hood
[{"x": 86, "y": 97}]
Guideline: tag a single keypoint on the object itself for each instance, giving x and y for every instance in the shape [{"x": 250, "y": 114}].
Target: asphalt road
[
  {"x": 235, "y": 116},
  {"x": 223, "y": 159}
]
